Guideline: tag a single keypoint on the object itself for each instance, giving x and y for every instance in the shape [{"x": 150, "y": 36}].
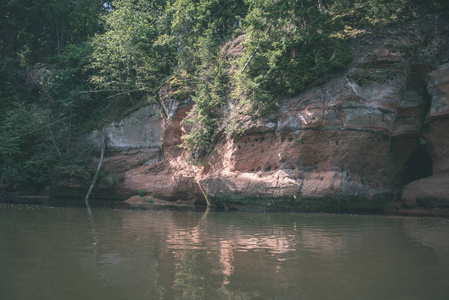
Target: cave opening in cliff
[
  {"x": 418, "y": 166},
  {"x": 413, "y": 160},
  {"x": 410, "y": 151}
]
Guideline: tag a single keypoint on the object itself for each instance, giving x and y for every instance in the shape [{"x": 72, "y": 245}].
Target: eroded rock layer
[{"x": 374, "y": 135}]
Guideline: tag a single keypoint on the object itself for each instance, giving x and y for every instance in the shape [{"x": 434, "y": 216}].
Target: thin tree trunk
[
  {"x": 54, "y": 143},
  {"x": 94, "y": 180},
  {"x": 321, "y": 7},
  {"x": 247, "y": 62},
  {"x": 68, "y": 131},
  {"x": 58, "y": 43}
]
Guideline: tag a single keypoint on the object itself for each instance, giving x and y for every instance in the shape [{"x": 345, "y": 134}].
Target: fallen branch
[
  {"x": 119, "y": 91},
  {"x": 204, "y": 194},
  {"x": 94, "y": 180},
  {"x": 101, "y": 91}
]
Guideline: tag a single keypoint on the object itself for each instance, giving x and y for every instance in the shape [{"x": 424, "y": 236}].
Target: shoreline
[{"x": 143, "y": 202}]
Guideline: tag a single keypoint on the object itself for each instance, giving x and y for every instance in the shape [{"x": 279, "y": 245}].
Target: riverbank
[{"x": 347, "y": 206}]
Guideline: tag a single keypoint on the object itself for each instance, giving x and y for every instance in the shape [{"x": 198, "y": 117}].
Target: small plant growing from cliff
[
  {"x": 422, "y": 141},
  {"x": 141, "y": 193},
  {"x": 271, "y": 203},
  {"x": 150, "y": 201}
]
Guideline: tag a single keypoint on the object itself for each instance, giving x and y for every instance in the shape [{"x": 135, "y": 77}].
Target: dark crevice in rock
[
  {"x": 411, "y": 160},
  {"x": 409, "y": 152},
  {"x": 419, "y": 165}
]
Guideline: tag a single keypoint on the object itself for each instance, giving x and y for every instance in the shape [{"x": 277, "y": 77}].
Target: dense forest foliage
[{"x": 68, "y": 67}]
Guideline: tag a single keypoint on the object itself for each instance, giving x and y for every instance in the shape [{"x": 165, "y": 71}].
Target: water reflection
[
  {"x": 56, "y": 253},
  {"x": 315, "y": 254}
]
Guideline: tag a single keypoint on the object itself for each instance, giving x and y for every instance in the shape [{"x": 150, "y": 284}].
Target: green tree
[
  {"x": 42, "y": 59},
  {"x": 289, "y": 45},
  {"x": 211, "y": 82},
  {"x": 124, "y": 58},
  {"x": 23, "y": 158}
]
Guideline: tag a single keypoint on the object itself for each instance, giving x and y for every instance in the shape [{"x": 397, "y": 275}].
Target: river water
[{"x": 54, "y": 252}]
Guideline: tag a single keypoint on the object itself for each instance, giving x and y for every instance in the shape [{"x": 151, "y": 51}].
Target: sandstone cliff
[{"x": 371, "y": 136}]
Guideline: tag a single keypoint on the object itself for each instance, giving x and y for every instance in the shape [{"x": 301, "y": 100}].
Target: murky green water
[{"x": 66, "y": 253}]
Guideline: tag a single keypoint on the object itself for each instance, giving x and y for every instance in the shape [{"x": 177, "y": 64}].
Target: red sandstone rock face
[
  {"x": 168, "y": 176},
  {"x": 363, "y": 134},
  {"x": 328, "y": 142}
]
